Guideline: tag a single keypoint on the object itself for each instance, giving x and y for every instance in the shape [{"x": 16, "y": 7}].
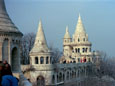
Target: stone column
[
  {"x": 55, "y": 79},
  {"x": 39, "y": 60},
  {"x": 9, "y": 51},
  {"x": 44, "y": 60},
  {"x": 1, "y": 51}
]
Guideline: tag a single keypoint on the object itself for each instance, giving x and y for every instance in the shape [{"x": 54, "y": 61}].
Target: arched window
[
  {"x": 83, "y": 39},
  {"x": 67, "y": 76},
  {"x": 65, "y": 40},
  {"x": 78, "y": 40},
  {"x": 86, "y": 49},
  {"x": 78, "y": 50},
  {"x": 60, "y": 77},
  {"x": 36, "y": 60},
  {"x": 89, "y": 60},
  {"x": 78, "y": 59},
  {"x": 53, "y": 79},
  {"x": 50, "y": 60},
  {"x": 83, "y": 50},
  {"x": 47, "y": 60},
  {"x": 42, "y": 60}
]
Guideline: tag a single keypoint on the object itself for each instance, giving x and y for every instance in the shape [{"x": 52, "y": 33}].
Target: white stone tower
[
  {"x": 40, "y": 53},
  {"x": 40, "y": 59},
  {"x": 10, "y": 39},
  {"x": 77, "y": 48}
]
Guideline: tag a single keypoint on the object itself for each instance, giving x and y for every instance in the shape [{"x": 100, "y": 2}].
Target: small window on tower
[
  {"x": 36, "y": 60},
  {"x": 83, "y": 50},
  {"x": 65, "y": 40},
  {"x": 78, "y": 50},
  {"x": 42, "y": 60},
  {"x": 78, "y": 40},
  {"x": 83, "y": 39}
]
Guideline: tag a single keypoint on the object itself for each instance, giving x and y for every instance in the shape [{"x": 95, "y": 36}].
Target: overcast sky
[{"x": 98, "y": 18}]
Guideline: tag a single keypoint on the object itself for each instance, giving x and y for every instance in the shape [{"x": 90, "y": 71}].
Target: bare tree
[
  {"x": 56, "y": 53},
  {"x": 26, "y": 46}
]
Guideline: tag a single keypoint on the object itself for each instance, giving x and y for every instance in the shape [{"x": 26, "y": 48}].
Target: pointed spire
[
  {"x": 2, "y": 7},
  {"x": 67, "y": 35},
  {"x": 6, "y": 24},
  {"x": 40, "y": 44},
  {"x": 79, "y": 27}
]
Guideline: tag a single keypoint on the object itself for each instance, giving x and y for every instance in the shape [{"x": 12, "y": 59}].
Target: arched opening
[
  {"x": 15, "y": 61},
  {"x": 84, "y": 39},
  {"x": 78, "y": 50},
  {"x": 60, "y": 77},
  {"x": 67, "y": 76},
  {"x": 47, "y": 60},
  {"x": 36, "y": 60},
  {"x": 63, "y": 77},
  {"x": 42, "y": 60},
  {"x": 72, "y": 74},
  {"x": 5, "y": 50},
  {"x": 40, "y": 81},
  {"x": 78, "y": 59},
  {"x": 89, "y": 60},
  {"x": 78, "y": 40},
  {"x": 83, "y": 50},
  {"x": 53, "y": 79}
]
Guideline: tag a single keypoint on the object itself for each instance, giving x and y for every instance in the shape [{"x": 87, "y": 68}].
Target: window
[
  {"x": 36, "y": 60},
  {"x": 42, "y": 60},
  {"x": 89, "y": 60},
  {"x": 83, "y": 50},
  {"x": 53, "y": 79},
  {"x": 78, "y": 40},
  {"x": 78, "y": 59},
  {"x": 83, "y": 39},
  {"x": 65, "y": 40},
  {"x": 86, "y": 49},
  {"x": 78, "y": 50},
  {"x": 47, "y": 58}
]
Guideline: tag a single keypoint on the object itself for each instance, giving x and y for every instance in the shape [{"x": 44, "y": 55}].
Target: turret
[
  {"x": 67, "y": 38},
  {"x": 10, "y": 39},
  {"x": 80, "y": 34},
  {"x": 82, "y": 47},
  {"x": 40, "y": 53}
]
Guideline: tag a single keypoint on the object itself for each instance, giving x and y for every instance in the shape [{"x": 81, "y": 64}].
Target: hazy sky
[{"x": 98, "y": 18}]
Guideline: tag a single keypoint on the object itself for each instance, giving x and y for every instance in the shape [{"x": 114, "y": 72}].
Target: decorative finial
[{"x": 66, "y": 28}]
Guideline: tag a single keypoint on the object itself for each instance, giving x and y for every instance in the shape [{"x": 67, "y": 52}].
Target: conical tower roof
[
  {"x": 40, "y": 44},
  {"x": 67, "y": 35},
  {"x": 79, "y": 27},
  {"x": 6, "y": 24}
]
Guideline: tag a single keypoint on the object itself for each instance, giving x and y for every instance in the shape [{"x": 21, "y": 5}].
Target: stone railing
[
  {"x": 60, "y": 66},
  {"x": 23, "y": 81}
]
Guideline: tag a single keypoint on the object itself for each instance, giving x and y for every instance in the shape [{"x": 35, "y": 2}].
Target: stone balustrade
[{"x": 54, "y": 66}]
